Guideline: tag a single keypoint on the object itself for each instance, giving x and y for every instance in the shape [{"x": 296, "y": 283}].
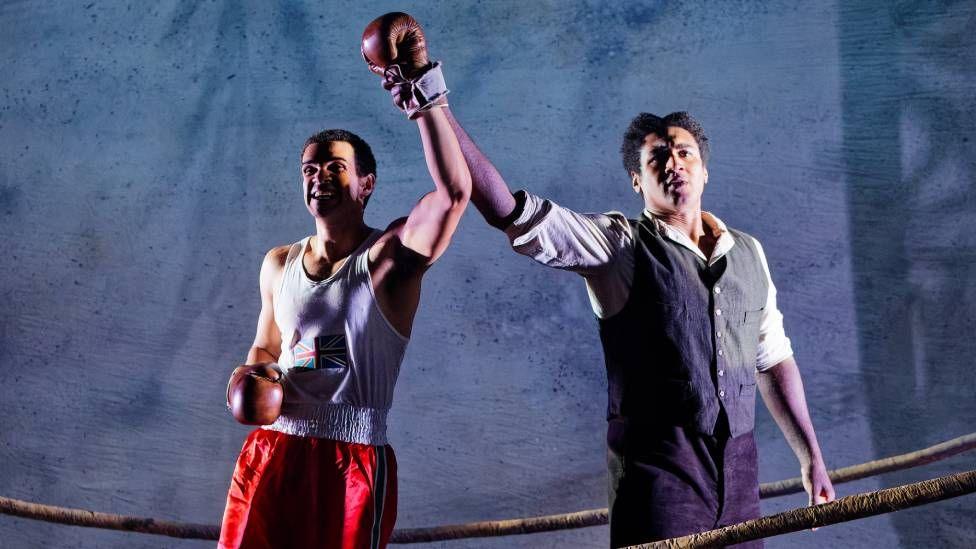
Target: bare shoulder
[
  {"x": 276, "y": 256},
  {"x": 273, "y": 266}
]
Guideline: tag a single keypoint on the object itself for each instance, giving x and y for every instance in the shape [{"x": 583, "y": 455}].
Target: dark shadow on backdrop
[{"x": 908, "y": 119}]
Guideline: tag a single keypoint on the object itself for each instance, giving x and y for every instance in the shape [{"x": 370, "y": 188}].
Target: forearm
[
  {"x": 432, "y": 222},
  {"x": 782, "y": 390},
  {"x": 489, "y": 192},
  {"x": 444, "y": 160},
  {"x": 259, "y": 355}
]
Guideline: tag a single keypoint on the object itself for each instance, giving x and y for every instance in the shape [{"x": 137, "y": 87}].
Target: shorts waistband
[{"x": 343, "y": 422}]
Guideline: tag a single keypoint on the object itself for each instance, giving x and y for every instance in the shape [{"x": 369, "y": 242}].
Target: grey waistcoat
[{"x": 684, "y": 346}]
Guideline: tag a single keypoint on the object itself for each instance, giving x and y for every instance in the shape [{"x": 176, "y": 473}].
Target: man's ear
[
  {"x": 635, "y": 181},
  {"x": 366, "y": 185},
  {"x": 706, "y": 176}
]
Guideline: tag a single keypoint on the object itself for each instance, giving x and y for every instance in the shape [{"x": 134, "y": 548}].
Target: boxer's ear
[
  {"x": 635, "y": 181},
  {"x": 366, "y": 185}
]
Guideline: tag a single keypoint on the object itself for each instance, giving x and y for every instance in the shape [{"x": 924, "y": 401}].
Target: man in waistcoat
[{"x": 689, "y": 326}]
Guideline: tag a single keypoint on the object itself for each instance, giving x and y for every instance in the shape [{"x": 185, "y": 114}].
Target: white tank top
[{"x": 339, "y": 354}]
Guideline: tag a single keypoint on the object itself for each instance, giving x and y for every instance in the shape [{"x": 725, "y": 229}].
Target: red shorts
[{"x": 290, "y": 491}]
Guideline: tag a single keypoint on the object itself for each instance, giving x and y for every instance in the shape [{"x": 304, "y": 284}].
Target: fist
[
  {"x": 254, "y": 394},
  {"x": 395, "y": 39}
]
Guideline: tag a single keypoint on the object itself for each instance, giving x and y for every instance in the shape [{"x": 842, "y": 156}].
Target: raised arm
[
  {"x": 430, "y": 225},
  {"x": 489, "y": 192},
  {"x": 394, "y": 47}
]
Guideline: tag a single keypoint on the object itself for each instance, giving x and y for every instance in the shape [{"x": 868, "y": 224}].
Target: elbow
[
  {"x": 460, "y": 194},
  {"x": 461, "y": 197},
  {"x": 456, "y": 203},
  {"x": 447, "y": 201}
]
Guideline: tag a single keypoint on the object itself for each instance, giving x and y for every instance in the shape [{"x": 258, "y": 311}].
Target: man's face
[
  {"x": 672, "y": 173},
  {"x": 330, "y": 182}
]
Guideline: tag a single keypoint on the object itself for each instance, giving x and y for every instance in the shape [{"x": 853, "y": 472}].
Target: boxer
[{"x": 337, "y": 308}]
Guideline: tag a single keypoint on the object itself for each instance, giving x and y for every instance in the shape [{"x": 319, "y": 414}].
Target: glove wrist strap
[{"x": 428, "y": 89}]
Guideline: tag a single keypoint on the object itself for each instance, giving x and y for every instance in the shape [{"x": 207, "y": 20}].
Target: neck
[
  {"x": 336, "y": 240},
  {"x": 688, "y": 220}
]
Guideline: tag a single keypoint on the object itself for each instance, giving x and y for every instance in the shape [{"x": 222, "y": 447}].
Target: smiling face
[
  {"x": 330, "y": 182},
  {"x": 672, "y": 173}
]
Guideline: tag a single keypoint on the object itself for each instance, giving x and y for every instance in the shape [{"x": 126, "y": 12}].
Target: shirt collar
[{"x": 711, "y": 222}]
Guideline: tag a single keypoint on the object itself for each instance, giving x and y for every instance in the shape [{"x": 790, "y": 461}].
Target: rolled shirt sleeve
[
  {"x": 774, "y": 346},
  {"x": 598, "y": 246}
]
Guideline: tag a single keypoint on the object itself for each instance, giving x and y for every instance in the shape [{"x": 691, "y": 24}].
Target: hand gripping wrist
[{"x": 426, "y": 91}]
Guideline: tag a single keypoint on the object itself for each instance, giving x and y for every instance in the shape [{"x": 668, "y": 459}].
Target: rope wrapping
[
  {"x": 547, "y": 523},
  {"x": 841, "y": 510},
  {"x": 494, "y": 528}
]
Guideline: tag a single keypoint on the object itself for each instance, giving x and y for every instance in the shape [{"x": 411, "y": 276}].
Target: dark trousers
[{"x": 669, "y": 481}]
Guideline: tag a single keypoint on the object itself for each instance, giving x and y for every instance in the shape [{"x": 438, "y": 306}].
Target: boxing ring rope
[
  {"x": 853, "y": 507},
  {"x": 841, "y": 510},
  {"x": 108, "y": 521},
  {"x": 597, "y": 517}
]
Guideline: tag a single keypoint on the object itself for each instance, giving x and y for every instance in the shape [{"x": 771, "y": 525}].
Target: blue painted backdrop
[{"x": 149, "y": 157}]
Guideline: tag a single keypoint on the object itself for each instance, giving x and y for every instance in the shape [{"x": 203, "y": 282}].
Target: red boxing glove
[
  {"x": 254, "y": 394},
  {"x": 394, "y": 47},
  {"x": 395, "y": 39}
]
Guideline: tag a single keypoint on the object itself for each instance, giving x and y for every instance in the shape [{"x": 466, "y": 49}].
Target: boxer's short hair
[
  {"x": 365, "y": 161},
  {"x": 645, "y": 124}
]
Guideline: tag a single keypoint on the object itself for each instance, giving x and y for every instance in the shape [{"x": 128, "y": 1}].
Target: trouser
[
  {"x": 669, "y": 481},
  {"x": 290, "y": 491}
]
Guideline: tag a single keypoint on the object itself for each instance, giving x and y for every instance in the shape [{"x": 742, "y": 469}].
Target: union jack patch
[
  {"x": 330, "y": 352},
  {"x": 327, "y": 351}
]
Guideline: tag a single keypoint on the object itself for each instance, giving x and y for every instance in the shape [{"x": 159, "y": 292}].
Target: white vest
[{"x": 340, "y": 355}]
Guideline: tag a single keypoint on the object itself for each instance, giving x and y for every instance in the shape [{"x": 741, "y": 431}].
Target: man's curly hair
[{"x": 646, "y": 123}]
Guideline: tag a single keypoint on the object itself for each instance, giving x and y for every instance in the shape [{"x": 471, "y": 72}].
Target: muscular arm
[
  {"x": 430, "y": 225},
  {"x": 410, "y": 245},
  {"x": 782, "y": 391},
  {"x": 267, "y": 339},
  {"x": 489, "y": 192}
]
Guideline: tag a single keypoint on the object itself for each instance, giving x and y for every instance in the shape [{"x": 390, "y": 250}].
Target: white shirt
[{"x": 600, "y": 247}]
